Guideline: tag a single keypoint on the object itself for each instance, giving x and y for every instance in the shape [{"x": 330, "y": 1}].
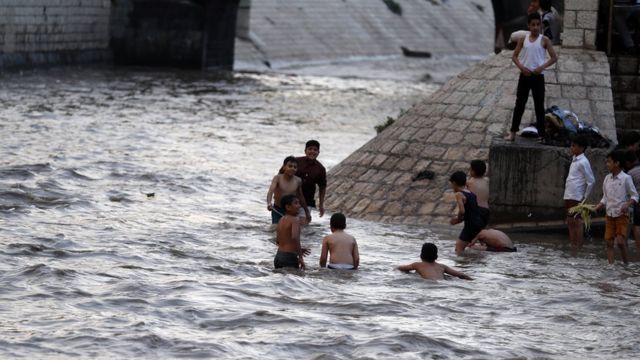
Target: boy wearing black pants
[{"x": 533, "y": 47}]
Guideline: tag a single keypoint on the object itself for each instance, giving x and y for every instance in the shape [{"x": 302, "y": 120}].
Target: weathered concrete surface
[
  {"x": 625, "y": 83},
  {"x": 285, "y": 32},
  {"x": 527, "y": 181},
  {"x": 40, "y": 32},
  {"x": 456, "y": 124}
]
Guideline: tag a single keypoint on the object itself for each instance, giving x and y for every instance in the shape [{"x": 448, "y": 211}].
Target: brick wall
[
  {"x": 625, "y": 82},
  {"x": 53, "y": 31},
  {"x": 580, "y": 23}
]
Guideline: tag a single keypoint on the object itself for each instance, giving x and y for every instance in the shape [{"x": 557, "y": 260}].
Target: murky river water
[{"x": 92, "y": 266}]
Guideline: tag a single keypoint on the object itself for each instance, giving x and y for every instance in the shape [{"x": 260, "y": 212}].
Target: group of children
[
  {"x": 619, "y": 194},
  {"x": 290, "y": 212}
]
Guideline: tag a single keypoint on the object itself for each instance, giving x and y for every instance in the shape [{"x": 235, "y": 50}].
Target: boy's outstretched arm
[
  {"x": 324, "y": 251},
  {"x": 407, "y": 268},
  {"x": 456, "y": 273},
  {"x": 272, "y": 189}
]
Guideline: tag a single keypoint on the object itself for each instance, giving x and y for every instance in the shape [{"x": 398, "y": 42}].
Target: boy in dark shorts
[
  {"x": 577, "y": 188},
  {"x": 290, "y": 252},
  {"x": 468, "y": 212},
  {"x": 632, "y": 167},
  {"x": 312, "y": 173}
]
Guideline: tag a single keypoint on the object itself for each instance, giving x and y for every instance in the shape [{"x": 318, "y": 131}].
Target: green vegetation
[
  {"x": 393, "y": 6},
  {"x": 381, "y": 127},
  {"x": 390, "y": 120}
]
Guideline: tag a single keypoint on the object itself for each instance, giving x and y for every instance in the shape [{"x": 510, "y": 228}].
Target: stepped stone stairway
[{"x": 456, "y": 124}]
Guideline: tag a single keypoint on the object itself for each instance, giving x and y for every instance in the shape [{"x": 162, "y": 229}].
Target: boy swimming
[{"x": 428, "y": 268}]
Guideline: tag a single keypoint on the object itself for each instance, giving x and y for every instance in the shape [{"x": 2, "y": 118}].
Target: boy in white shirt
[
  {"x": 618, "y": 194},
  {"x": 577, "y": 188}
]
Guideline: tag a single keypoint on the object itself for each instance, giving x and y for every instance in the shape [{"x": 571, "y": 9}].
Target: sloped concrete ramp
[
  {"x": 456, "y": 124},
  {"x": 285, "y": 33}
]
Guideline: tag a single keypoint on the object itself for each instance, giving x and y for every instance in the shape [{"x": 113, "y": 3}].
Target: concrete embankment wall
[
  {"x": 285, "y": 32},
  {"x": 457, "y": 124},
  {"x": 40, "y": 32}
]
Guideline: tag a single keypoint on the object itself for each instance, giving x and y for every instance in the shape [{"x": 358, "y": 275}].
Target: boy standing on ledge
[{"x": 533, "y": 48}]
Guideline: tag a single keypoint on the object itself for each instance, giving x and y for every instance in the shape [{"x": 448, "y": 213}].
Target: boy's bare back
[
  {"x": 433, "y": 270},
  {"x": 342, "y": 247},
  {"x": 480, "y": 187}
]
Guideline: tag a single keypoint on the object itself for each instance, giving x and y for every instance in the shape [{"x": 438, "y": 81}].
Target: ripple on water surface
[{"x": 133, "y": 223}]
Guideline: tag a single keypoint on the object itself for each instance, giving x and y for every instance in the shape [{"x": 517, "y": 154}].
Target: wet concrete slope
[{"x": 282, "y": 33}]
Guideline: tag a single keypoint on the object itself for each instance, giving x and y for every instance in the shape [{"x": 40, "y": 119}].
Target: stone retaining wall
[
  {"x": 456, "y": 124},
  {"x": 53, "y": 31},
  {"x": 625, "y": 82},
  {"x": 285, "y": 32}
]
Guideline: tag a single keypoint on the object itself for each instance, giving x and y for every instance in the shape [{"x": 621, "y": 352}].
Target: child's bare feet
[{"x": 511, "y": 136}]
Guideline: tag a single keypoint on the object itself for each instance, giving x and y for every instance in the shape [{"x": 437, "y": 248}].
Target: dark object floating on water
[
  {"x": 414, "y": 53},
  {"x": 424, "y": 174},
  {"x": 150, "y": 195}
]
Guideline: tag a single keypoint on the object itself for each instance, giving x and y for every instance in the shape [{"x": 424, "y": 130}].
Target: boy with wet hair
[
  {"x": 290, "y": 252},
  {"x": 479, "y": 185},
  {"x": 618, "y": 195},
  {"x": 533, "y": 48},
  {"x": 313, "y": 174},
  {"x": 285, "y": 183},
  {"x": 341, "y": 247},
  {"x": 428, "y": 268},
  {"x": 577, "y": 189},
  {"x": 468, "y": 212}
]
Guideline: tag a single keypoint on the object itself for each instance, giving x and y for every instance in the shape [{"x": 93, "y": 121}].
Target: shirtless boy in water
[
  {"x": 479, "y": 185},
  {"x": 428, "y": 268},
  {"x": 286, "y": 183},
  {"x": 341, "y": 246},
  {"x": 493, "y": 240},
  {"x": 290, "y": 252}
]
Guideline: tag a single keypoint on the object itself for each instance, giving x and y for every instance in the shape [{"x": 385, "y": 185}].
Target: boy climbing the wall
[{"x": 531, "y": 65}]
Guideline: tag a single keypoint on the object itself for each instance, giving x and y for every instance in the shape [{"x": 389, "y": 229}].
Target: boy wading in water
[
  {"x": 312, "y": 173},
  {"x": 618, "y": 194},
  {"x": 577, "y": 188},
  {"x": 341, "y": 246},
  {"x": 290, "y": 252},
  {"x": 286, "y": 183},
  {"x": 428, "y": 268},
  {"x": 468, "y": 211},
  {"x": 479, "y": 185},
  {"x": 533, "y": 48}
]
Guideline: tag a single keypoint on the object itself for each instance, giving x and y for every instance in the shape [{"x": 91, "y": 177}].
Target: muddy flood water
[{"x": 133, "y": 224}]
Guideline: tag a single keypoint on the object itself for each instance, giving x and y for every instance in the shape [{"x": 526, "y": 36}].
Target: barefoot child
[
  {"x": 285, "y": 183},
  {"x": 479, "y": 185},
  {"x": 428, "y": 268},
  {"x": 533, "y": 47},
  {"x": 618, "y": 194},
  {"x": 577, "y": 188},
  {"x": 290, "y": 252},
  {"x": 342, "y": 247},
  {"x": 468, "y": 212}
]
